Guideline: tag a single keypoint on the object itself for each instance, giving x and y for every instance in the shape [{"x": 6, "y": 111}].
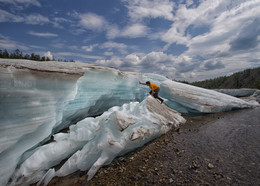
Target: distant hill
[{"x": 249, "y": 78}]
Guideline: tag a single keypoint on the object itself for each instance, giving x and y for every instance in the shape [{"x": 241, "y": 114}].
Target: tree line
[
  {"x": 249, "y": 78},
  {"x": 18, "y": 54}
]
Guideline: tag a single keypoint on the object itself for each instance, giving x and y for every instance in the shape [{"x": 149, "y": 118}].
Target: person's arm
[
  {"x": 142, "y": 83},
  {"x": 152, "y": 92}
]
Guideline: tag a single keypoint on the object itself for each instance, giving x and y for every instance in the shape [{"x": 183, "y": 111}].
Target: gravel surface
[{"x": 213, "y": 149}]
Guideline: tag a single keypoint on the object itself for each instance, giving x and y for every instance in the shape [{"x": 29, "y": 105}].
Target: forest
[
  {"x": 18, "y": 54},
  {"x": 249, "y": 78}
]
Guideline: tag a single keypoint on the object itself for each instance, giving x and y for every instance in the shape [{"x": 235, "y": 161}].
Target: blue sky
[{"x": 184, "y": 40}]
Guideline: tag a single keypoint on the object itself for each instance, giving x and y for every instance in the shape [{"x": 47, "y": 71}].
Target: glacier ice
[
  {"x": 244, "y": 92},
  {"x": 38, "y": 99},
  {"x": 117, "y": 131},
  {"x": 201, "y": 100}
]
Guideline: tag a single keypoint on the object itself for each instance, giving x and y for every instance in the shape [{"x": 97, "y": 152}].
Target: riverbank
[{"x": 213, "y": 149}]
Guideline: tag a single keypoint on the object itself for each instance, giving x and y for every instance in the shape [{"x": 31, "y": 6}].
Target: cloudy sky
[{"x": 181, "y": 39}]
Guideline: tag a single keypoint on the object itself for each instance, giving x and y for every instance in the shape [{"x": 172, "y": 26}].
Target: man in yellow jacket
[{"x": 154, "y": 89}]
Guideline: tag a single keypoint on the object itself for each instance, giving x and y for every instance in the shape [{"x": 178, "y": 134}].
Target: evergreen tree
[
  {"x": 17, "y": 54},
  {"x": 12, "y": 56},
  {"x": 5, "y": 54},
  {"x": 32, "y": 56},
  {"x": 43, "y": 58},
  {"x": 37, "y": 57},
  {"x": 27, "y": 56}
]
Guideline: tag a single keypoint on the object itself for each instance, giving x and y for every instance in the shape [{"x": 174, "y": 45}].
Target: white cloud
[
  {"x": 225, "y": 28},
  {"x": 37, "y": 47},
  {"x": 89, "y": 48},
  {"x": 112, "y": 31},
  {"x": 204, "y": 14},
  {"x": 45, "y": 34},
  {"x": 8, "y": 17},
  {"x": 59, "y": 21},
  {"x": 156, "y": 57},
  {"x": 134, "y": 31},
  {"x": 222, "y": 17},
  {"x": 140, "y": 9},
  {"x": 48, "y": 55},
  {"x": 32, "y": 19},
  {"x": 154, "y": 62},
  {"x": 72, "y": 54},
  {"x": 108, "y": 53},
  {"x": 36, "y": 19},
  {"x": 233, "y": 32},
  {"x": 93, "y": 22},
  {"x": 121, "y": 47},
  {"x": 22, "y": 2},
  {"x": 32, "y": 2},
  {"x": 113, "y": 62},
  {"x": 98, "y": 23},
  {"x": 189, "y": 3},
  {"x": 133, "y": 59}
]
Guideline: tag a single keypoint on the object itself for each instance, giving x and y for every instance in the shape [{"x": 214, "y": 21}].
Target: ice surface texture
[
  {"x": 38, "y": 99},
  {"x": 200, "y": 99},
  {"x": 94, "y": 142},
  {"x": 253, "y": 94}
]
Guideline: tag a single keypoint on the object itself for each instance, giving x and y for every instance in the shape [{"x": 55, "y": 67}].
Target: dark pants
[{"x": 155, "y": 94}]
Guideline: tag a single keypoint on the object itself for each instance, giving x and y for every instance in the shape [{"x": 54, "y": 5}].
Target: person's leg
[{"x": 155, "y": 95}]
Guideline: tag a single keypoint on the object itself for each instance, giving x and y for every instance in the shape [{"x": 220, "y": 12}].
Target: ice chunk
[
  {"x": 243, "y": 92},
  {"x": 202, "y": 100},
  {"x": 39, "y": 99},
  {"x": 31, "y": 106},
  {"x": 94, "y": 142},
  {"x": 47, "y": 177}
]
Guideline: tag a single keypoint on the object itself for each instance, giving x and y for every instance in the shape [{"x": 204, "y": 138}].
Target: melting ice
[
  {"x": 94, "y": 142},
  {"x": 37, "y": 100}
]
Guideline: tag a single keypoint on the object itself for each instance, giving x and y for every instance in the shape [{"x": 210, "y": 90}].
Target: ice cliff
[{"x": 39, "y": 99}]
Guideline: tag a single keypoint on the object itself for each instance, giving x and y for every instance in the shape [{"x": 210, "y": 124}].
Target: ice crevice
[{"x": 38, "y": 100}]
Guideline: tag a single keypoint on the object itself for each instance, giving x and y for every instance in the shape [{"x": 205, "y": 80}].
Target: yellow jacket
[{"x": 153, "y": 86}]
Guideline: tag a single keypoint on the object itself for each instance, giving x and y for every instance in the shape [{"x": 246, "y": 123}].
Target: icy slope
[{"x": 117, "y": 131}]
